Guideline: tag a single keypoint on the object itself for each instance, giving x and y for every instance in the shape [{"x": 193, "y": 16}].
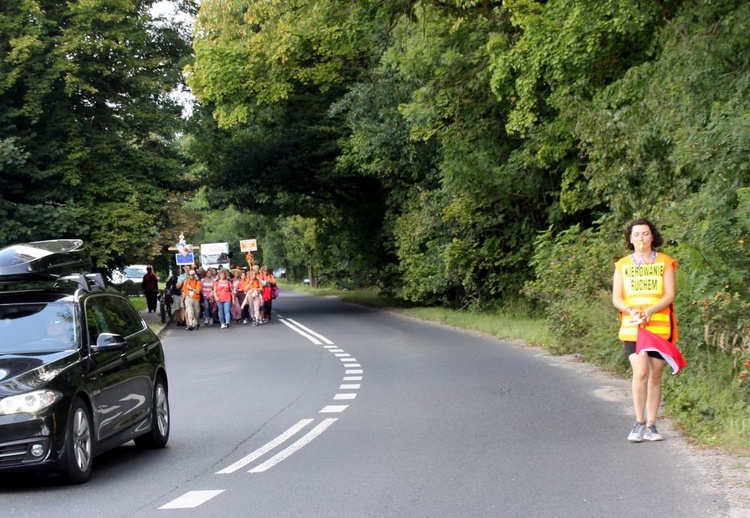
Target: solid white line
[
  {"x": 292, "y": 448},
  {"x": 352, "y": 378},
  {"x": 265, "y": 449},
  {"x": 325, "y": 340},
  {"x": 347, "y": 395},
  {"x": 355, "y": 371},
  {"x": 192, "y": 499},
  {"x": 293, "y": 328},
  {"x": 333, "y": 409},
  {"x": 350, "y": 386}
]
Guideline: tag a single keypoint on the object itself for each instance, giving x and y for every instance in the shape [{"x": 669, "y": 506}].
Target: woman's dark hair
[{"x": 658, "y": 240}]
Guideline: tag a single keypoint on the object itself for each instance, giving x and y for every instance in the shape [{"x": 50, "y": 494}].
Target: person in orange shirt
[
  {"x": 253, "y": 295},
  {"x": 191, "y": 294}
]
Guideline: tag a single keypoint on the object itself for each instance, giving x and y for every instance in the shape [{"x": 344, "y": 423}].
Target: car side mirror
[{"x": 109, "y": 342}]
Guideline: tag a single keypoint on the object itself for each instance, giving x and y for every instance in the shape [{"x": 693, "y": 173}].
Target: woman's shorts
[{"x": 630, "y": 349}]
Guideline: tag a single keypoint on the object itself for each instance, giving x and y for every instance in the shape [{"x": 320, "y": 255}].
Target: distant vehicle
[
  {"x": 215, "y": 255},
  {"x": 80, "y": 371},
  {"x": 134, "y": 272},
  {"x": 279, "y": 273}
]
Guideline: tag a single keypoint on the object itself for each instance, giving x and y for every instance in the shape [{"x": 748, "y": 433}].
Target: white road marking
[
  {"x": 296, "y": 446},
  {"x": 355, "y": 371},
  {"x": 352, "y": 365},
  {"x": 342, "y": 355},
  {"x": 266, "y": 448},
  {"x": 348, "y": 395},
  {"x": 333, "y": 409},
  {"x": 330, "y": 346},
  {"x": 348, "y": 360},
  {"x": 335, "y": 350},
  {"x": 350, "y": 386},
  {"x": 299, "y": 331},
  {"x": 325, "y": 340},
  {"x": 192, "y": 499},
  {"x": 352, "y": 378}
]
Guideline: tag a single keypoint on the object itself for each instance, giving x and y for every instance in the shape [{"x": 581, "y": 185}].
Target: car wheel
[
  {"x": 158, "y": 436},
  {"x": 78, "y": 444}
]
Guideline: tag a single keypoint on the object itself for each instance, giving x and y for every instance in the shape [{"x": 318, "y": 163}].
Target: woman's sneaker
[
  {"x": 636, "y": 435},
  {"x": 652, "y": 434}
]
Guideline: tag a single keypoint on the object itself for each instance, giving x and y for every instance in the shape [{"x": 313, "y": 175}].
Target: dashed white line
[
  {"x": 192, "y": 499},
  {"x": 355, "y": 371},
  {"x": 352, "y": 378},
  {"x": 266, "y": 448},
  {"x": 347, "y": 395},
  {"x": 333, "y": 409},
  {"x": 296, "y": 446},
  {"x": 350, "y": 386}
]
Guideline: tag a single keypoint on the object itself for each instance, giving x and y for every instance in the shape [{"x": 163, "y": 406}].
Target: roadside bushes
[{"x": 573, "y": 279}]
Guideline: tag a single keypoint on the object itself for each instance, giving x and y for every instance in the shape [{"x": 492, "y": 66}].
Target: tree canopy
[
  {"x": 87, "y": 124},
  {"x": 471, "y": 138}
]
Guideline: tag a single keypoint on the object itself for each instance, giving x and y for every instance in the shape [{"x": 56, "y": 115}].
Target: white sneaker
[
  {"x": 636, "y": 435},
  {"x": 651, "y": 434}
]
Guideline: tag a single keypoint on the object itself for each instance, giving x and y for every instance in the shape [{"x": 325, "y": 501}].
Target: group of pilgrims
[{"x": 223, "y": 296}]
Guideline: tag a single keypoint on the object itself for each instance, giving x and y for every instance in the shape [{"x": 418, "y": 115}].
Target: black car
[{"x": 80, "y": 371}]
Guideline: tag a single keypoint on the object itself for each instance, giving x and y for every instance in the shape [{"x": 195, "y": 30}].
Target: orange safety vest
[{"x": 643, "y": 286}]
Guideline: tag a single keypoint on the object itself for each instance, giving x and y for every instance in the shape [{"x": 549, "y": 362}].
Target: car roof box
[{"x": 44, "y": 260}]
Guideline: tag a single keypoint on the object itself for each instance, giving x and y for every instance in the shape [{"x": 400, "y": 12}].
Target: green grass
[{"x": 138, "y": 302}]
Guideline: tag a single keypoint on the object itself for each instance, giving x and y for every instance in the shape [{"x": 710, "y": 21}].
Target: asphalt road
[{"x": 333, "y": 410}]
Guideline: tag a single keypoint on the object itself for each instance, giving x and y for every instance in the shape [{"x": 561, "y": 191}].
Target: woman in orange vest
[{"x": 643, "y": 290}]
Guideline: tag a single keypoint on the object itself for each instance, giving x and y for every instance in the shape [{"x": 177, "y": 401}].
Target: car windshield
[
  {"x": 37, "y": 327},
  {"x": 132, "y": 272},
  {"x": 215, "y": 258}
]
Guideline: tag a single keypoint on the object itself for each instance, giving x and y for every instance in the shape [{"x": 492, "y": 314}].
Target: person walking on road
[
  {"x": 254, "y": 296},
  {"x": 191, "y": 294},
  {"x": 208, "y": 298},
  {"x": 269, "y": 284},
  {"x": 224, "y": 295},
  {"x": 150, "y": 285},
  {"x": 643, "y": 290}
]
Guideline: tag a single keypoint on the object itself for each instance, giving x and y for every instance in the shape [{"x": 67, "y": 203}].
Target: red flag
[{"x": 648, "y": 341}]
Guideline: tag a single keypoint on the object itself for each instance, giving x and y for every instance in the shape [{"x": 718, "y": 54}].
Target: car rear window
[{"x": 37, "y": 327}]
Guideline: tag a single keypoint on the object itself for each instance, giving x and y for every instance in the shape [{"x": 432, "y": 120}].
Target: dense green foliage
[
  {"x": 470, "y": 152},
  {"x": 86, "y": 122}
]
